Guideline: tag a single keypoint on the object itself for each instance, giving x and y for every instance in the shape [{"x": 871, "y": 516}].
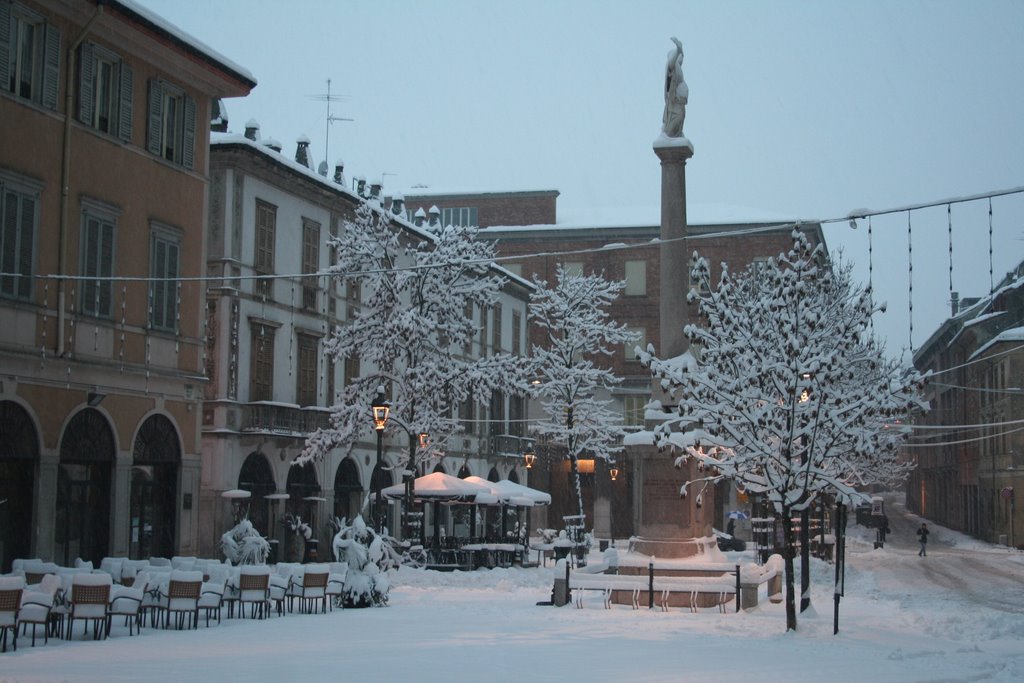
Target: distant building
[
  {"x": 102, "y": 372},
  {"x": 271, "y": 384},
  {"x": 617, "y": 243},
  {"x": 968, "y": 479}
]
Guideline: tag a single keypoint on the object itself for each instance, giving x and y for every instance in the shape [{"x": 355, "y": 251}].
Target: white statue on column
[{"x": 676, "y": 93}]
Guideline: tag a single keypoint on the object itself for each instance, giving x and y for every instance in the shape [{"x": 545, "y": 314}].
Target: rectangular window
[
  {"x": 629, "y": 348},
  {"x": 633, "y": 407},
  {"x": 459, "y": 216},
  {"x": 105, "y": 89},
  {"x": 29, "y": 55},
  {"x": 18, "y": 211},
  {"x": 306, "y": 384},
  {"x": 466, "y": 416},
  {"x": 310, "y": 262},
  {"x": 97, "y": 265},
  {"x": 496, "y": 329},
  {"x": 352, "y": 369},
  {"x": 573, "y": 268},
  {"x": 516, "y": 415},
  {"x": 636, "y": 278},
  {"x": 172, "y": 123},
  {"x": 331, "y": 390},
  {"x": 497, "y": 413},
  {"x": 468, "y": 312},
  {"x": 165, "y": 267},
  {"x": 517, "y": 331},
  {"x": 263, "y": 260},
  {"x": 261, "y": 378}
]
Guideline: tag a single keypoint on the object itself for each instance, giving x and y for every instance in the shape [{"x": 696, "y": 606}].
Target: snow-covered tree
[
  {"x": 410, "y": 329},
  {"x": 786, "y": 393},
  {"x": 578, "y": 332},
  {"x": 242, "y": 544},
  {"x": 367, "y": 582}
]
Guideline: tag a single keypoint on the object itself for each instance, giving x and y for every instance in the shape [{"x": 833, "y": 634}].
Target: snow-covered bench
[{"x": 717, "y": 590}]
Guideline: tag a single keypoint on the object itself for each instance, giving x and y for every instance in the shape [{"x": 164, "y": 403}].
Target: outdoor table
[{"x": 544, "y": 550}]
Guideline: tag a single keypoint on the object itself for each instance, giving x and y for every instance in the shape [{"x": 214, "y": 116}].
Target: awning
[{"x": 440, "y": 487}]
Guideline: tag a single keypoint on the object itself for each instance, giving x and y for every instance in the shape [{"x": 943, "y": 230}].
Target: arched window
[
  {"x": 82, "y": 526},
  {"x": 513, "y": 476},
  {"x": 464, "y": 472},
  {"x": 493, "y": 475},
  {"x": 19, "y": 453},
  {"x": 257, "y": 477},
  {"x": 153, "y": 504},
  {"x": 348, "y": 491},
  {"x": 301, "y": 487},
  {"x": 380, "y": 480}
]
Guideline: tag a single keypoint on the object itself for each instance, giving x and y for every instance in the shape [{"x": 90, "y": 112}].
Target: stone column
[
  {"x": 675, "y": 256},
  {"x": 45, "y": 513}
]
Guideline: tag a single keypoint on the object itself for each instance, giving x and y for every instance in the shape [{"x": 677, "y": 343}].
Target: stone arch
[
  {"x": 153, "y": 502},
  {"x": 348, "y": 490},
  {"x": 493, "y": 475},
  {"x": 513, "y": 476},
  {"x": 257, "y": 477},
  {"x": 464, "y": 471},
  {"x": 19, "y": 458},
  {"x": 88, "y": 450}
]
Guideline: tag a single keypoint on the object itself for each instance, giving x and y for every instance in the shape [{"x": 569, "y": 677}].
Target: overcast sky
[{"x": 805, "y": 109}]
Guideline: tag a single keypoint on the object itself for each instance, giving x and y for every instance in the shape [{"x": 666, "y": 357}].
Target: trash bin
[
  {"x": 272, "y": 556},
  {"x": 602, "y": 545}
]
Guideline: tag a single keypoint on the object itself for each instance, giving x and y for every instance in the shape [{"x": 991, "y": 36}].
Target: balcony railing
[
  {"x": 283, "y": 418},
  {"x": 506, "y": 444}
]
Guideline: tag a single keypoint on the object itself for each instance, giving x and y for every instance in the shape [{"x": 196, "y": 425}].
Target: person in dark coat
[{"x": 922, "y": 537}]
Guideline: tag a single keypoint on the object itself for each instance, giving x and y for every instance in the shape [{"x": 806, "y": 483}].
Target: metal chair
[
  {"x": 183, "y": 591},
  {"x": 254, "y": 589},
  {"x": 37, "y": 607},
  {"x": 11, "y": 588},
  {"x": 90, "y": 595},
  {"x": 126, "y": 601}
]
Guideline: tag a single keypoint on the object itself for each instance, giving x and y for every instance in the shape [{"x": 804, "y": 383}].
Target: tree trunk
[
  {"x": 805, "y": 560},
  {"x": 788, "y": 552},
  {"x": 575, "y": 468}
]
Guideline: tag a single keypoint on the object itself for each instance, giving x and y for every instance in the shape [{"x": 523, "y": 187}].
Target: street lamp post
[
  {"x": 530, "y": 456},
  {"x": 381, "y": 408}
]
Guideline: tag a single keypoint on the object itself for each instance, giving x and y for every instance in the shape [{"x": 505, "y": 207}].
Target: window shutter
[
  {"x": 172, "y": 287},
  {"x": 51, "y": 69},
  {"x": 85, "y": 76},
  {"x": 28, "y": 221},
  {"x": 189, "y": 142},
  {"x": 124, "y": 126},
  {"x": 158, "y": 285},
  {"x": 106, "y": 266},
  {"x": 156, "y": 116},
  {"x": 5, "y": 44}
]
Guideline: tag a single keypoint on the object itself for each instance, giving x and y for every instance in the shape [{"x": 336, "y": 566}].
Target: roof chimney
[
  {"x": 420, "y": 217},
  {"x": 954, "y": 302},
  {"x": 360, "y": 186},
  {"x": 252, "y": 129},
  {"x": 398, "y": 205},
  {"x": 302, "y": 151},
  {"x": 218, "y": 116},
  {"x": 375, "y": 187},
  {"x": 435, "y": 217},
  {"x": 339, "y": 172}
]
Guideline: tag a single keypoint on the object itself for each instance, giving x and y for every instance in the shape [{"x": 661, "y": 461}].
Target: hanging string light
[
  {"x": 991, "y": 280},
  {"x": 177, "y": 318},
  {"x": 46, "y": 308},
  {"x": 871, "y": 268},
  {"x": 949, "y": 224},
  {"x": 124, "y": 305},
  {"x": 910, "y": 279},
  {"x": 68, "y": 351}
]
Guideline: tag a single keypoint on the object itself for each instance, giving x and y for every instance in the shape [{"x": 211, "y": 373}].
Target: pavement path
[{"x": 958, "y": 568}]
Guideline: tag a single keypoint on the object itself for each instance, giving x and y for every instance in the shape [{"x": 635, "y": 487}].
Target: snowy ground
[{"x": 957, "y": 615}]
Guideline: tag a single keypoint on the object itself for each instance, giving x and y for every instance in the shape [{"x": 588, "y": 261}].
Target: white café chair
[
  {"x": 336, "y": 583},
  {"x": 11, "y": 588},
  {"x": 127, "y": 600},
  {"x": 254, "y": 589},
  {"x": 90, "y": 595},
  {"x": 37, "y": 606},
  {"x": 211, "y": 596},
  {"x": 183, "y": 591}
]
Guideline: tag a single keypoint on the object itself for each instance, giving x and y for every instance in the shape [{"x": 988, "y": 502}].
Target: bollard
[
  {"x": 560, "y": 591},
  {"x": 650, "y": 584}
]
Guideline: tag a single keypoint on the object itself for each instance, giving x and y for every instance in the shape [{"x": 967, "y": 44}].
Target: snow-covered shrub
[
  {"x": 367, "y": 583},
  {"x": 242, "y": 544}
]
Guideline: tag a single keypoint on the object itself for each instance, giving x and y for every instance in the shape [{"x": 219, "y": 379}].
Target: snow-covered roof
[
  {"x": 184, "y": 39},
  {"x": 1014, "y": 334},
  {"x": 262, "y": 147},
  {"x": 424, "y": 191}
]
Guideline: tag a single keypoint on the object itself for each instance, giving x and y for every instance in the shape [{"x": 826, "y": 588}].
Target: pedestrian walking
[{"x": 922, "y": 536}]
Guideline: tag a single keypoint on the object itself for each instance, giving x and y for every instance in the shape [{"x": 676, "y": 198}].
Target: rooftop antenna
[{"x": 328, "y": 98}]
